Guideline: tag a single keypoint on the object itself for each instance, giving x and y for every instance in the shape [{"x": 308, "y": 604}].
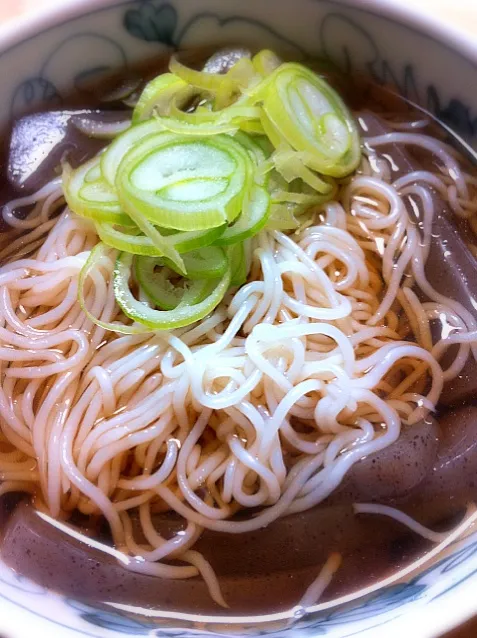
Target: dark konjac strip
[
  {"x": 39, "y": 142},
  {"x": 274, "y": 568},
  {"x": 395, "y": 472},
  {"x": 429, "y": 472}
]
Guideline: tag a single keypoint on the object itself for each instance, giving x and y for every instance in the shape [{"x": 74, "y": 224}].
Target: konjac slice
[
  {"x": 224, "y": 59},
  {"x": 273, "y": 573},
  {"x": 455, "y": 467},
  {"x": 395, "y": 471},
  {"x": 39, "y": 142}
]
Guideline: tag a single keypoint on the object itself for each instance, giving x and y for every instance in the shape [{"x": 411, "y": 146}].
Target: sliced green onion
[
  {"x": 99, "y": 255},
  {"x": 265, "y": 144},
  {"x": 312, "y": 118},
  {"x": 274, "y": 135},
  {"x": 225, "y": 86},
  {"x": 259, "y": 153},
  {"x": 277, "y": 183},
  {"x": 155, "y": 280},
  {"x": 112, "y": 157},
  {"x": 304, "y": 199},
  {"x": 236, "y": 114},
  {"x": 283, "y": 217},
  {"x": 191, "y": 128},
  {"x": 253, "y": 218},
  {"x": 158, "y": 240},
  {"x": 131, "y": 241},
  {"x": 254, "y": 127},
  {"x": 185, "y": 242},
  {"x": 265, "y": 62},
  {"x": 158, "y": 95},
  {"x": 202, "y": 79},
  {"x": 256, "y": 146},
  {"x": 182, "y": 315},
  {"x": 205, "y": 263},
  {"x": 290, "y": 165},
  {"x": 243, "y": 73},
  {"x": 210, "y": 160},
  {"x": 89, "y": 195},
  {"x": 238, "y": 264},
  {"x": 185, "y": 183}
]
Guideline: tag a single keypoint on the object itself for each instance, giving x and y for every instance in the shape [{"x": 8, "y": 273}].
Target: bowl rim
[{"x": 422, "y": 22}]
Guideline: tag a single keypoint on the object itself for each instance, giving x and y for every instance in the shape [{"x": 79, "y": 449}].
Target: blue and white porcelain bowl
[{"x": 44, "y": 57}]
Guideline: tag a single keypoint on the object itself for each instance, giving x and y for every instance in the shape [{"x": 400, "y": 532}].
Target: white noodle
[
  {"x": 205, "y": 420},
  {"x": 318, "y": 586},
  {"x": 401, "y": 517}
]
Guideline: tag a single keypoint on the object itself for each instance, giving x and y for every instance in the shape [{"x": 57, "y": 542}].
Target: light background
[{"x": 461, "y": 13}]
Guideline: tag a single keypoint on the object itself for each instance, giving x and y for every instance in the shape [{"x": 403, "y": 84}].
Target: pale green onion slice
[
  {"x": 303, "y": 199},
  {"x": 257, "y": 147},
  {"x": 191, "y": 128},
  {"x": 183, "y": 315},
  {"x": 132, "y": 241},
  {"x": 238, "y": 264},
  {"x": 253, "y": 218},
  {"x": 156, "y": 281},
  {"x": 225, "y": 87},
  {"x": 159, "y": 241},
  {"x": 205, "y": 263},
  {"x": 112, "y": 157},
  {"x": 212, "y": 82},
  {"x": 283, "y": 217},
  {"x": 100, "y": 255},
  {"x": 254, "y": 127},
  {"x": 236, "y": 114},
  {"x": 265, "y": 62},
  {"x": 259, "y": 151},
  {"x": 89, "y": 195},
  {"x": 240, "y": 76},
  {"x": 243, "y": 73},
  {"x": 185, "y": 183},
  {"x": 291, "y": 166},
  {"x": 310, "y": 115},
  {"x": 273, "y": 134},
  {"x": 158, "y": 95}
]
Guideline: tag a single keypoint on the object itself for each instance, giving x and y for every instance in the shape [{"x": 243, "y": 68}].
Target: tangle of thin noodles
[{"x": 316, "y": 362}]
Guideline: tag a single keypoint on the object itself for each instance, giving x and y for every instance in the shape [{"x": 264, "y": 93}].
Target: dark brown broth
[{"x": 267, "y": 570}]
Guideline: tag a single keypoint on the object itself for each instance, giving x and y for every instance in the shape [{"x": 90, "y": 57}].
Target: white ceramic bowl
[{"x": 42, "y": 57}]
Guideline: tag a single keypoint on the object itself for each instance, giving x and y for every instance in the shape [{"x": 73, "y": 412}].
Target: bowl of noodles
[{"x": 238, "y": 321}]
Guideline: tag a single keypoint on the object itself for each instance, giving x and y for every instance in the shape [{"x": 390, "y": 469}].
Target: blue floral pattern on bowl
[
  {"x": 114, "y": 35},
  {"x": 152, "y": 22},
  {"x": 155, "y": 21}
]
